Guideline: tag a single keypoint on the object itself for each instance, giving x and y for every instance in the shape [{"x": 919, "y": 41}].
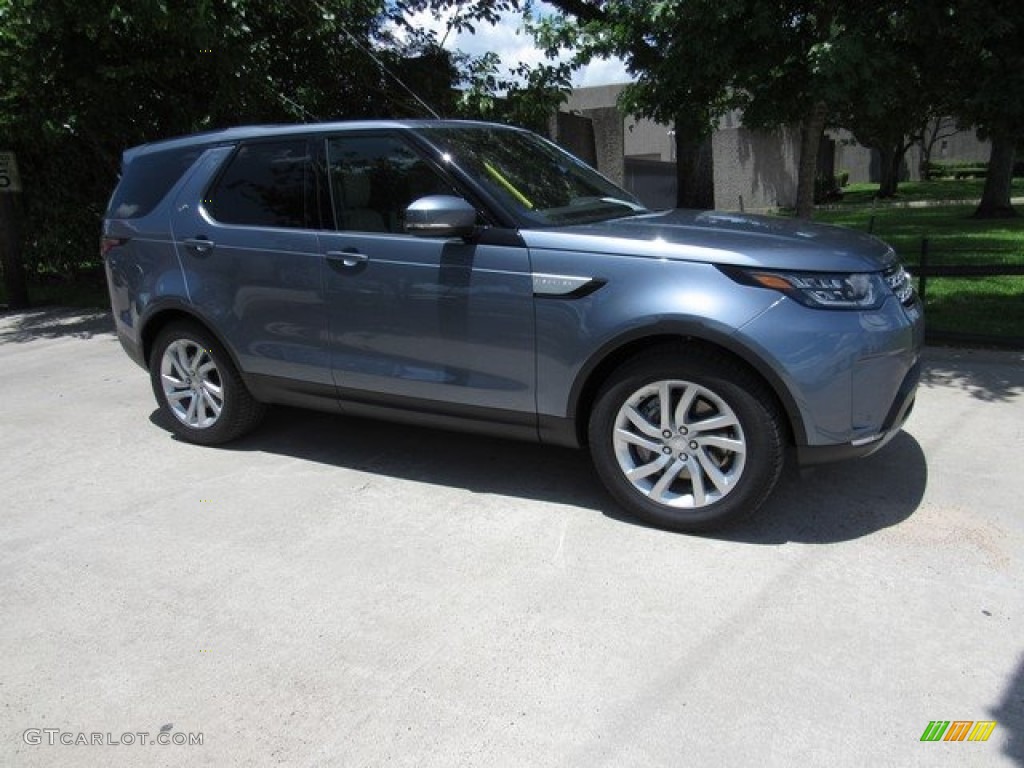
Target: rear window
[
  {"x": 147, "y": 179},
  {"x": 263, "y": 185}
]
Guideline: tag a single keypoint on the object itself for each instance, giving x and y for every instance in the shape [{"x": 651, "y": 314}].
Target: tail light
[{"x": 106, "y": 243}]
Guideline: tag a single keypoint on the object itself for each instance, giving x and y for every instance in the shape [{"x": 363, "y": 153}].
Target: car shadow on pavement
[
  {"x": 841, "y": 501},
  {"x": 827, "y": 504},
  {"x": 30, "y": 325}
]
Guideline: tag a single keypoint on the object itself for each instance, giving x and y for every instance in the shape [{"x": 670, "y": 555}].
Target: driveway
[{"x": 338, "y": 592}]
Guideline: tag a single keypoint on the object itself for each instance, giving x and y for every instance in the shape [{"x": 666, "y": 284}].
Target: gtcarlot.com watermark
[{"x": 57, "y": 736}]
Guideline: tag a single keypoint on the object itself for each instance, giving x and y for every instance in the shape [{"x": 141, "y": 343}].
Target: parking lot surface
[{"x": 339, "y": 592}]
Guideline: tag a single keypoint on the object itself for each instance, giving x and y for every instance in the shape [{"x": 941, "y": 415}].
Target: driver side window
[{"x": 373, "y": 179}]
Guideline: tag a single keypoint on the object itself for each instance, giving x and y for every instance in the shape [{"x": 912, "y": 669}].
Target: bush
[
  {"x": 842, "y": 179},
  {"x": 958, "y": 170},
  {"x": 66, "y": 185}
]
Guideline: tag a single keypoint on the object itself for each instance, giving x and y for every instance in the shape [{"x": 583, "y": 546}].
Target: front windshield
[{"x": 541, "y": 184}]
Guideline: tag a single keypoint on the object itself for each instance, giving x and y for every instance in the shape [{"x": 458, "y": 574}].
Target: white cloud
[
  {"x": 602, "y": 72},
  {"x": 513, "y": 45}
]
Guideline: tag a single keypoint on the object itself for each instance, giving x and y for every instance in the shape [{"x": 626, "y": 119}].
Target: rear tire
[
  {"x": 686, "y": 439},
  {"x": 198, "y": 388}
]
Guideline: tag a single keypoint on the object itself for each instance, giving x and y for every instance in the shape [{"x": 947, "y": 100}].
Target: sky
[{"x": 514, "y": 46}]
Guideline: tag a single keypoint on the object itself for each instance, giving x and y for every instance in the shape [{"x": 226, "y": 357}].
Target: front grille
[{"x": 899, "y": 280}]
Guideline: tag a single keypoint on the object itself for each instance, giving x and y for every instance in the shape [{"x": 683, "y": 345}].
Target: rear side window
[
  {"x": 147, "y": 179},
  {"x": 263, "y": 185}
]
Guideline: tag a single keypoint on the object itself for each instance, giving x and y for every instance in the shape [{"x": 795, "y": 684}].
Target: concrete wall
[
  {"x": 609, "y": 142},
  {"x": 595, "y": 136},
  {"x": 863, "y": 163},
  {"x": 652, "y": 181},
  {"x": 574, "y": 133},
  {"x": 759, "y": 167},
  {"x": 642, "y": 138},
  {"x": 649, "y": 140},
  {"x": 754, "y": 170}
]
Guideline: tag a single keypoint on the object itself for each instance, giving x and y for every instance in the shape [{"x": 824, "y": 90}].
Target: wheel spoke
[
  {"x": 214, "y": 389},
  {"x": 174, "y": 383},
  {"x": 685, "y": 403},
  {"x": 665, "y": 399},
  {"x": 725, "y": 443},
  {"x": 717, "y": 477},
  {"x": 665, "y": 481},
  {"x": 638, "y": 440},
  {"x": 700, "y": 496},
  {"x": 178, "y": 395},
  {"x": 181, "y": 358},
  {"x": 637, "y": 420},
  {"x": 715, "y": 422},
  {"x": 646, "y": 470},
  {"x": 190, "y": 414},
  {"x": 214, "y": 405},
  {"x": 176, "y": 368}
]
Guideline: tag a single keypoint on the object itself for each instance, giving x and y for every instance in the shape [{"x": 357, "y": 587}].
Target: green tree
[
  {"x": 81, "y": 80},
  {"x": 976, "y": 50},
  {"x": 681, "y": 56},
  {"x": 889, "y": 96},
  {"x": 784, "y": 63}
]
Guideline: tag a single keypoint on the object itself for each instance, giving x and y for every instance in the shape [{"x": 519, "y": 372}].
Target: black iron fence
[{"x": 952, "y": 265}]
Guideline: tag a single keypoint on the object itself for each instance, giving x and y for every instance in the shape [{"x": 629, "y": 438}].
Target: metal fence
[{"x": 927, "y": 270}]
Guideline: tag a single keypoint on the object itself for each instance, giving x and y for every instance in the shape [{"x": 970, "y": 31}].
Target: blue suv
[{"x": 475, "y": 276}]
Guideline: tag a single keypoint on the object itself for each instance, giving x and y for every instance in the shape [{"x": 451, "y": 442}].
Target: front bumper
[
  {"x": 865, "y": 446},
  {"x": 850, "y": 377}
]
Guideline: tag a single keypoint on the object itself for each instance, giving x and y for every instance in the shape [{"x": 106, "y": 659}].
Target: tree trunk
[
  {"x": 695, "y": 184},
  {"x": 995, "y": 200},
  {"x": 10, "y": 253},
  {"x": 810, "y": 140},
  {"x": 891, "y": 159}
]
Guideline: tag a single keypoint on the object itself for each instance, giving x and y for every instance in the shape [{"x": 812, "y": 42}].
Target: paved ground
[{"x": 338, "y": 592}]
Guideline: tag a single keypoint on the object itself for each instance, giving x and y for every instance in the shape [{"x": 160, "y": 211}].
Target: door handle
[
  {"x": 201, "y": 246},
  {"x": 349, "y": 258}
]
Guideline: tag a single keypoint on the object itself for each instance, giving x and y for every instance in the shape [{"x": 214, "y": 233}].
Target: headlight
[{"x": 827, "y": 290}]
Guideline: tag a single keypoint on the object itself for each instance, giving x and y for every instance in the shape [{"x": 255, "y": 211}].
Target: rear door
[
  {"x": 440, "y": 326},
  {"x": 248, "y": 245}
]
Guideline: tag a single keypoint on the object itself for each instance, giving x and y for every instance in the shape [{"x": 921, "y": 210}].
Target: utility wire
[{"x": 355, "y": 41}]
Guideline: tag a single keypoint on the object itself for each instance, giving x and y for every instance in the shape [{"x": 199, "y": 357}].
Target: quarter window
[
  {"x": 264, "y": 185},
  {"x": 147, "y": 179}
]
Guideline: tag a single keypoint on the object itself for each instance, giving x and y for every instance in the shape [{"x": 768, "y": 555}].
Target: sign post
[{"x": 10, "y": 233}]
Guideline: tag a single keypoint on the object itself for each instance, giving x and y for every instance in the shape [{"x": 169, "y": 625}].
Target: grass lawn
[
  {"x": 937, "y": 189},
  {"x": 990, "y": 306}
]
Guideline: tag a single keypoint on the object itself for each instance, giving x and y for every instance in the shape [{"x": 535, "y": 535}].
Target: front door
[{"x": 431, "y": 325}]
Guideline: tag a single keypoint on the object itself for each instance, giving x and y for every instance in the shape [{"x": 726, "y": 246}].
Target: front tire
[
  {"x": 198, "y": 387},
  {"x": 686, "y": 439}
]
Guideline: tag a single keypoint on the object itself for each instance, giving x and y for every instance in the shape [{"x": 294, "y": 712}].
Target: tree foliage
[
  {"x": 977, "y": 53},
  {"x": 81, "y": 80}
]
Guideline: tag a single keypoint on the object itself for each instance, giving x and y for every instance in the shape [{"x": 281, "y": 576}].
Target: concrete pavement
[{"x": 338, "y": 592}]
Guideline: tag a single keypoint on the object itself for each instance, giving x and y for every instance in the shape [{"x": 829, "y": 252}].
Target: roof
[{"x": 241, "y": 133}]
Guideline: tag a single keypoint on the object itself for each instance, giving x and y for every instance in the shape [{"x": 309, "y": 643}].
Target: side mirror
[{"x": 440, "y": 216}]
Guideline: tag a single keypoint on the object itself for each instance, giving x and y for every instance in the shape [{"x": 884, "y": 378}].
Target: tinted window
[
  {"x": 374, "y": 178},
  {"x": 263, "y": 185},
  {"x": 147, "y": 179}
]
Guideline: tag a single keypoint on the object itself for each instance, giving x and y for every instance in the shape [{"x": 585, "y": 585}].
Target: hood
[{"x": 724, "y": 238}]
